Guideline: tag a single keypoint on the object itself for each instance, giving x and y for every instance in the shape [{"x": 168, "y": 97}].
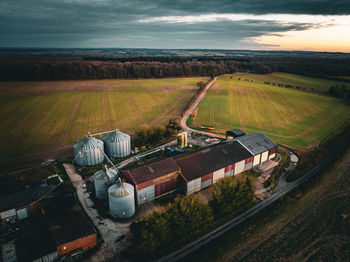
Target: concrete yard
[
  {"x": 112, "y": 232},
  {"x": 265, "y": 169}
]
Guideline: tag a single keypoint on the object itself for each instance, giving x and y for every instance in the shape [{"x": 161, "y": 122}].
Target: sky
[{"x": 312, "y": 25}]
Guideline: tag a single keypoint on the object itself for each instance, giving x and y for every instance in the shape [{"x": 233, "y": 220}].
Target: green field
[
  {"x": 288, "y": 116},
  {"x": 320, "y": 85},
  {"x": 44, "y": 116}
]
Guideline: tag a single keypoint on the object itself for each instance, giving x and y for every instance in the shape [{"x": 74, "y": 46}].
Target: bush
[
  {"x": 228, "y": 197},
  {"x": 182, "y": 219}
]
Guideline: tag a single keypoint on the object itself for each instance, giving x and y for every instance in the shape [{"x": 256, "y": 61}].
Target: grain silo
[
  {"x": 88, "y": 151},
  {"x": 117, "y": 144},
  {"x": 121, "y": 200},
  {"x": 182, "y": 139},
  {"x": 102, "y": 178}
]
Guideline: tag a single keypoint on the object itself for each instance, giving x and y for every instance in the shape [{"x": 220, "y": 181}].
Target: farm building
[
  {"x": 153, "y": 180},
  {"x": 260, "y": 146},
  {"x": 206, "y": 167},
  {"x": 35, "y": 242},
  {"x": 234, "y": 133},
  {"x": 195, "y": 171},
  {"x": 70, "y": 229},
  {"x": 18, "y": 205}
]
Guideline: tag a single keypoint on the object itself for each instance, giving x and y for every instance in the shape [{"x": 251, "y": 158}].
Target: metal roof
[
  {"x": 66, "y": 223},
  {"x": 152, "y": 171},
  {"x": 211, "y": 159},
  {"x": 35, "y": 240},
  {"x": 116, "y": 137},
  {"x": 122, "y": 189},
  {"x": 106, "y": 173},
  {"x": 255, "y": 143},
  {"x": 235, "y": 132},
  {"x": 22, "y": 198},
  {"x": 8, "y": 213},
  {"x": 88, "y": 143}
]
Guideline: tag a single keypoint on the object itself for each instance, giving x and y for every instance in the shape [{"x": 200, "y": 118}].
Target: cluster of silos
[
  {"x": 121, "y": 200},
  {"x": 120, "y": 195},
  {"x": 88, "y": 151},
  {"x": 102, "y": 179},
  {"x": 117, "y": 144}
]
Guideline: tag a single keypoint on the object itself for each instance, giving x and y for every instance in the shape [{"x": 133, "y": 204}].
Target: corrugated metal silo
[
  {"x": 117, "y": 144},
  {"x": 88, "y": 151},
  {"x": 121, "y": 200},
  {"x": 101, "y": 178}
]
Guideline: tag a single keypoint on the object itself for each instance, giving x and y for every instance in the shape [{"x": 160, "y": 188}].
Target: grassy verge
[
  {"x": 189, "y": 121},
  {"x": 309, "y": 159},
  {"x": 278, "y": 170}
]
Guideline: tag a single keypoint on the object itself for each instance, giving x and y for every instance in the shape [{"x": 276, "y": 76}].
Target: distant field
[
  {"x": 292, "y": 117},
  {"x": 41, "y": 116}
]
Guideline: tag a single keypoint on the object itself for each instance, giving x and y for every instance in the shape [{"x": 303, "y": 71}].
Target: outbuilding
[
  {"x": 154, "y": 179},
  {"x": 233, "y": 133},
  {"x": 260, "y": 146}
]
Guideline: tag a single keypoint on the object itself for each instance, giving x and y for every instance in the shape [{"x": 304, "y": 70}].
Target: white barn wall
[
  {"x": 256, "y": 160},
  {"x": 248, "y": 166},
  {"x": 194, "y": 185},
  {"x": 239, "y": 167},
  {"x": 145, "y": 195},
  {"x": 264, "y": 156},
  {"x": 218, "y": 175},
  {"x": 206, "y": 183}
]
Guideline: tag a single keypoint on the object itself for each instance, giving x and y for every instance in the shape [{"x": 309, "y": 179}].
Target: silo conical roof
[
  {"x": 117, "y": 144},
  {"x": 122, "y": 189},
  {"x": 116, "y": 137},
  {"x": 88, "y": 143},
  {"x": 88, "y": 151}
]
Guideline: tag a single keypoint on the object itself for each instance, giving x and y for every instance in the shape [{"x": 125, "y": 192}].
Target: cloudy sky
[{"x": 321, "y": 25}]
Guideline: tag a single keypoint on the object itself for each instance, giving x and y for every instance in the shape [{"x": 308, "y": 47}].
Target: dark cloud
[
  {"x": 323, "y": 7},
  {"x": 112, "y": 23}
]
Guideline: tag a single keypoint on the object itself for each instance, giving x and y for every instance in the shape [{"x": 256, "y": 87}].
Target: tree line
[
  {"x": 76, "y": 70},
  {"x": 186, "y": 217},
  {"x": 341, "y": 92},
  {"x": 65, "y": 68}
]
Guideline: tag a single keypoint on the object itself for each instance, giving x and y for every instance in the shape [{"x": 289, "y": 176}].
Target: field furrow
[
  {"x": 289, "y": 116},
  {"x": 45, "y": 116}
]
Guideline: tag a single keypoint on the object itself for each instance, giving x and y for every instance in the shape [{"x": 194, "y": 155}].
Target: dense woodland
[{"x": 64, "y": 68}]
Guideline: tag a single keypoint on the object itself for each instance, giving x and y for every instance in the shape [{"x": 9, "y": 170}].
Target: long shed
[
  {"x": 207, "y": 166},
  {"x": 153, "y": 180}
]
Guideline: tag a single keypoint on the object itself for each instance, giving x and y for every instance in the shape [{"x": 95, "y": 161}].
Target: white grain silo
[
  {"x": 102, "y": 179},
  {"x": 121, "y": 200},
  {"x": 88, "y": 151},
  {"x": 182, "y": 139},
  {"x": 117, "y": 144}
]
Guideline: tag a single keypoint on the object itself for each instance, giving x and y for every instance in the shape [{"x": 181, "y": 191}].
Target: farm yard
[
  {"x": 37, "y": 117},
  {"x": 296, "y": 118}
]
